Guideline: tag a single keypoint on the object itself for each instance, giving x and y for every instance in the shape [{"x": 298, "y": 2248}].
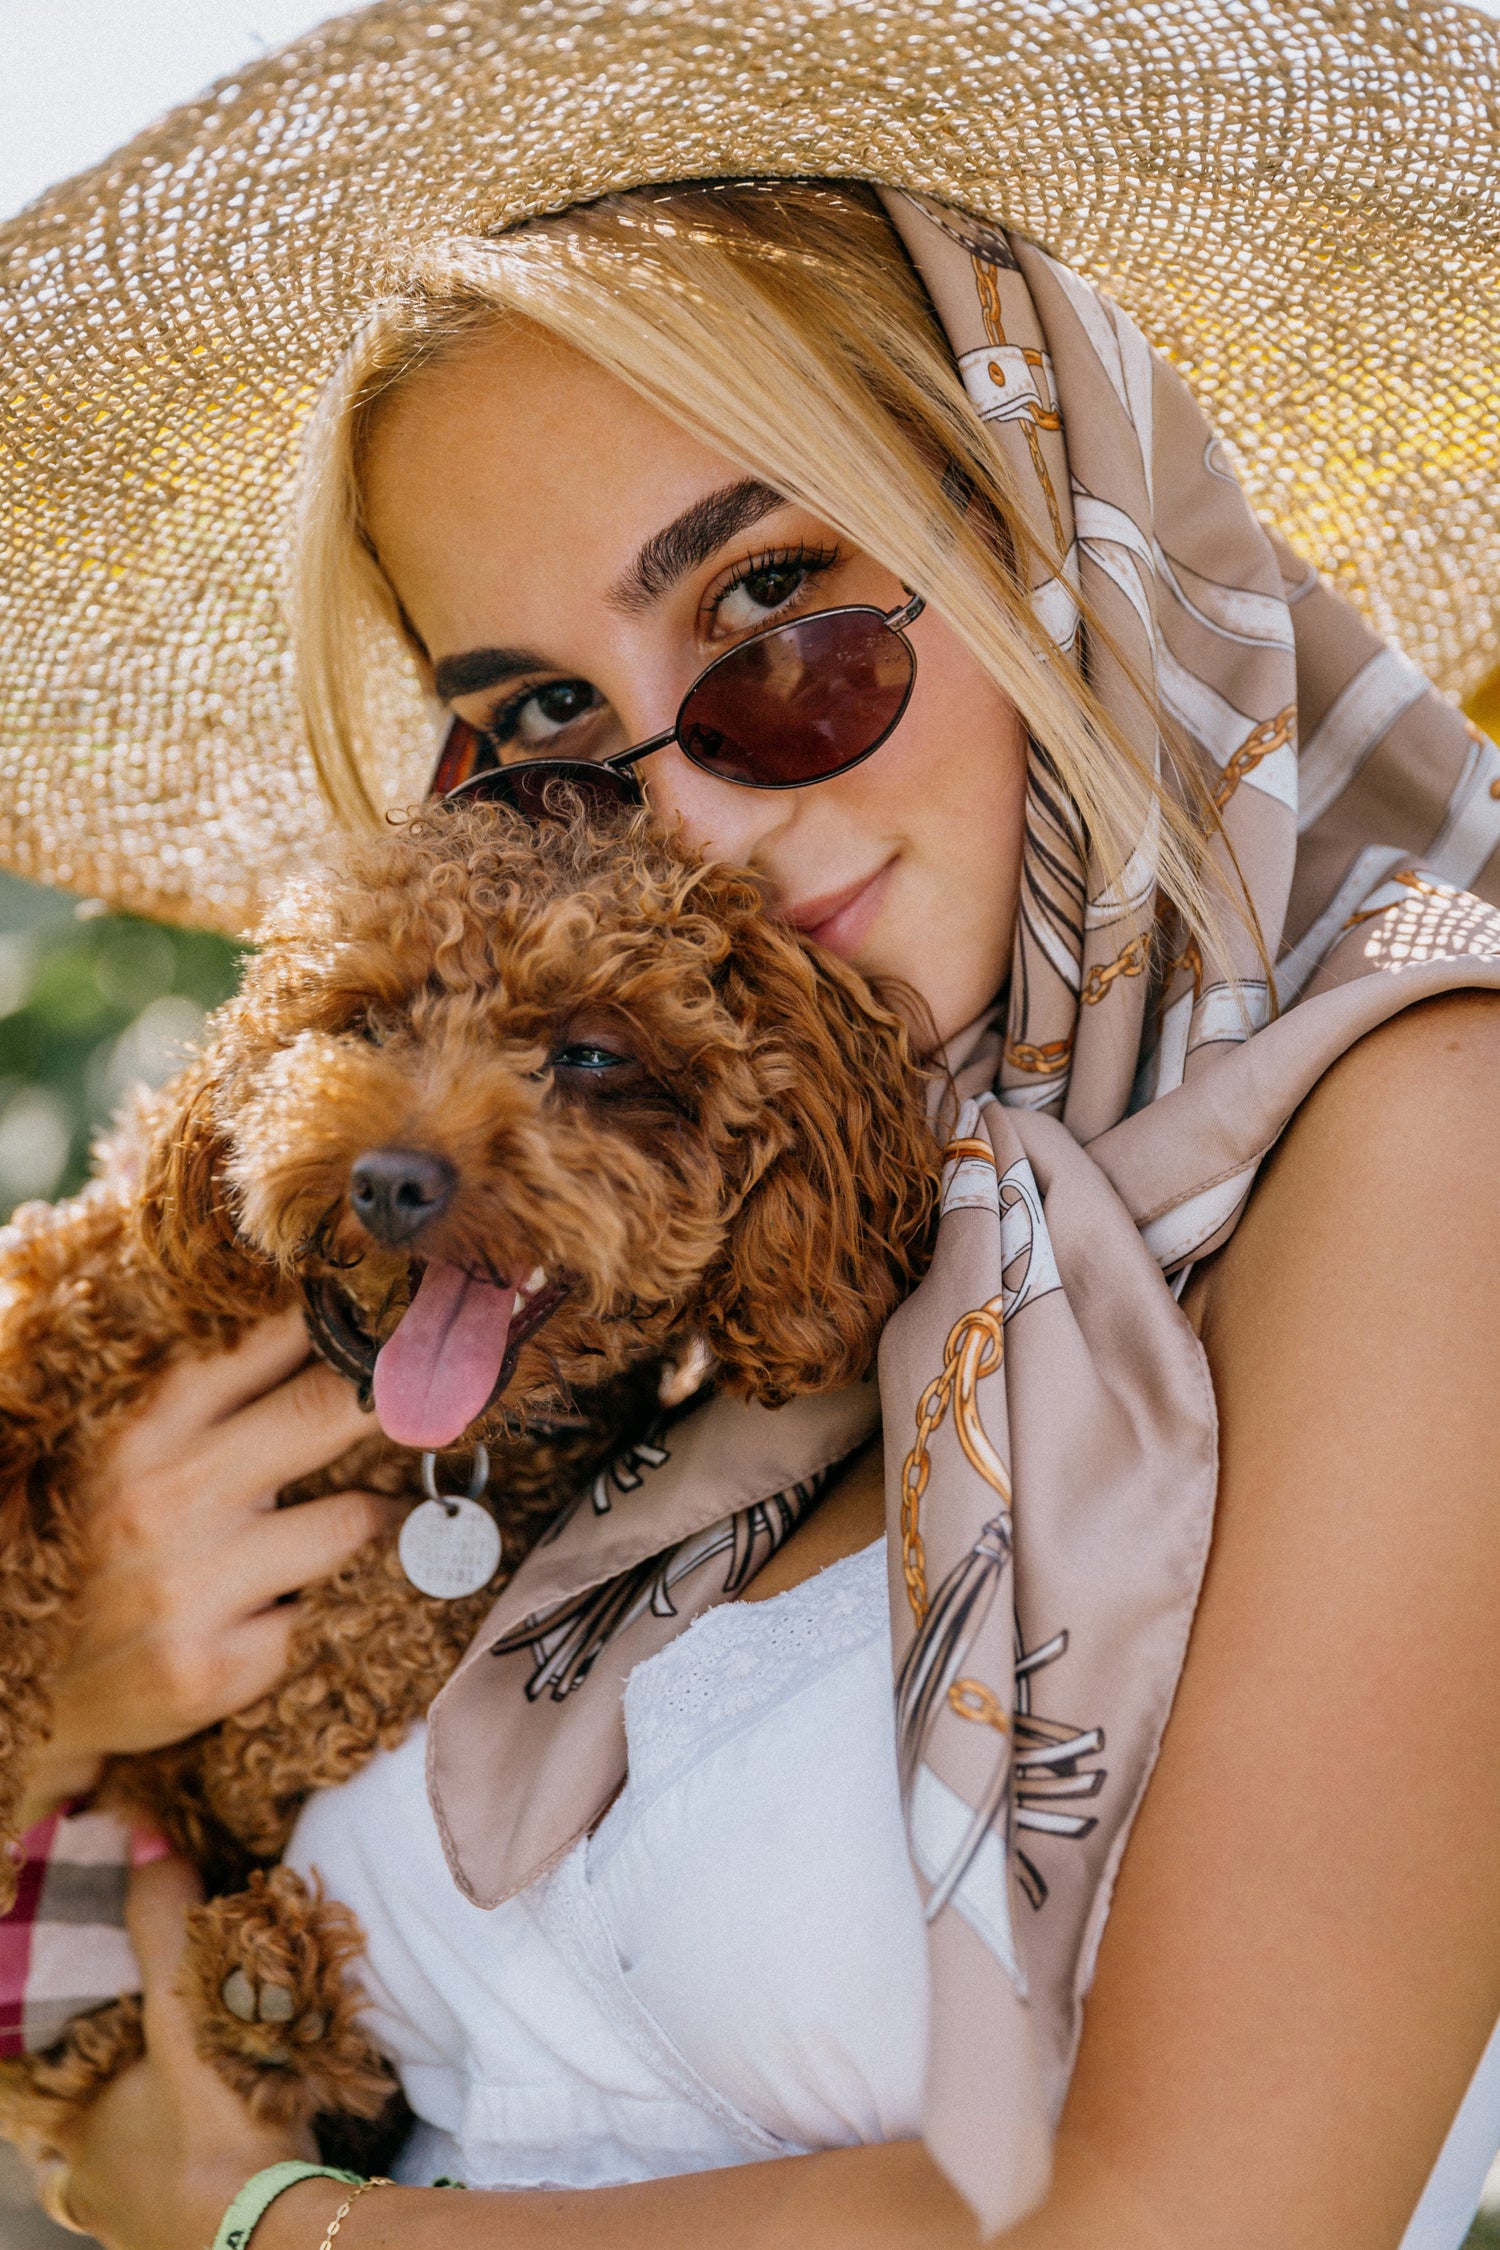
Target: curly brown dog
[{"x": 529, "y": 1115}]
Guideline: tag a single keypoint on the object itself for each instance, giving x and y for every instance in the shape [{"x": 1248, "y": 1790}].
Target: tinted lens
[
  {"x": 463, "y": 752},
  {"x": 550, "y": 788},
  {"x": 800, "y": 702}
]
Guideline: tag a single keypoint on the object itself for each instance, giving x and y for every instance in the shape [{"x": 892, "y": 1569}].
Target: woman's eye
[
  {"x": 760, "y": 593},
  {"x": 536, "y": 717}
]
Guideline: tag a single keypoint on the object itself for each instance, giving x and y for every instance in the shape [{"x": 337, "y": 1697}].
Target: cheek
[
  {"x": 959, "y": 728},
  {"x": 951, "y": 786}
]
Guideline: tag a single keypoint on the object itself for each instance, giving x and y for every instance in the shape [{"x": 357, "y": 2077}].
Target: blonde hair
[{"x": 783, "y": 324}]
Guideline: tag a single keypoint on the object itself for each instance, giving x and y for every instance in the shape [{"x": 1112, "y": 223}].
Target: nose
[
  {"x": 395, "y": 1191},
  {"x": 718, "y": 816}
]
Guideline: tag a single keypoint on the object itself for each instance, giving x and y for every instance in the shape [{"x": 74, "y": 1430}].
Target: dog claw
[
  {"x": 312, "y": 2026},
  {"x": 267, "y": 2003},
  {"x": 239, "y": 1996},
  {"x": 278, "y": 2003}
]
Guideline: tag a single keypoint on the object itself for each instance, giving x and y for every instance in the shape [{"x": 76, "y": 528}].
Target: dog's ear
[
  {"x": 839, "y": 1186},
  {"x": 184, "y": 1209}
]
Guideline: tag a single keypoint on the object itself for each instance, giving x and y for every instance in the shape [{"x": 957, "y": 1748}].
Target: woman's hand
[
  {"x": 189, "y": 1555},
  {"x": 155, "y": 2162}
]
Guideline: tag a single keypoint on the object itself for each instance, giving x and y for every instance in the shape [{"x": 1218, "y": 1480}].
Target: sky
[{"x": 78, "y": 77}]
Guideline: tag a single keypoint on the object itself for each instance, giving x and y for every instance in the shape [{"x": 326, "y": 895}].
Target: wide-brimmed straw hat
[{"x": 1296, "y": 199}]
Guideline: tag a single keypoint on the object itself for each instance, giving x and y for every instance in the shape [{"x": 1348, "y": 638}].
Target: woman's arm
[
  {"x": 189, "y": 1558},
  {"x": 166, "y": 2147},
  {"x": 1302, "y": 1963}
]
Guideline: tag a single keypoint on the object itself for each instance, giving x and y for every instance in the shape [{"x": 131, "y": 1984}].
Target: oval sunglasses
[{"x": 793, "y": 704}]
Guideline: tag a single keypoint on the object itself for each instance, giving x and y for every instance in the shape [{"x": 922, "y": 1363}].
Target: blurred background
[{"x": 91, "y": 1003}]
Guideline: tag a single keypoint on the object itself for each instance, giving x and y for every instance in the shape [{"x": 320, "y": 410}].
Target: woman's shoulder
[
  {"x": 1306, "y": 1925},
  {"x": 1388, "y": 1167}
]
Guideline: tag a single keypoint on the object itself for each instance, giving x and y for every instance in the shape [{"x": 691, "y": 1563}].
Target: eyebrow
[
  {"x": 667, "y": 556},
  {"x": 680, "y": 546},
  {"x": 481, "y": 668}
]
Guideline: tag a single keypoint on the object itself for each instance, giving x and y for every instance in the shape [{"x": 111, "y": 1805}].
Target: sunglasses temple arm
[
  {"x": 909, "y": 612},
  {"x": 623, "y": 760}
]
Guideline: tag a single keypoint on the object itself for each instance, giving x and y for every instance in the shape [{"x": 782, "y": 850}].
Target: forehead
[{"x": 513, "y": 479}]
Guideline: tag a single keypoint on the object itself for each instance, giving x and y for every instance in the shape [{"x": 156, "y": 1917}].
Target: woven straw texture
[{"x": 1296, "y": 199}]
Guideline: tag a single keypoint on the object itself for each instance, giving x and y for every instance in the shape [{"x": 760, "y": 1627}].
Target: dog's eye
[
  {"x": 589, "y": 1066},
  {"x": 586, "y": 1058}
]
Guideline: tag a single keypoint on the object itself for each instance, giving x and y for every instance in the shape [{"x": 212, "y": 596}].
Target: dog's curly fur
[{"x": 753, "y": 1179}]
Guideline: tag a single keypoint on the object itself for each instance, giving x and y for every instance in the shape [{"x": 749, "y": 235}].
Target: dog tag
[{"x": 450, "y": 1547}]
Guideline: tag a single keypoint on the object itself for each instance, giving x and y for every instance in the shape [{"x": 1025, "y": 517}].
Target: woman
[{"x": 561, "y": 468}]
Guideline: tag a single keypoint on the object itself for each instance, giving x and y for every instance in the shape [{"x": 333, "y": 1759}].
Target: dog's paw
[
  {"x": 275, "y": 2010},
  {"x": 251, "y": 2002}
]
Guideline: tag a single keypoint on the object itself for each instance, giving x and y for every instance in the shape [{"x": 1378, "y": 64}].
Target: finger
[
  {"x": 295, "y": 1547},
  {"x": 301, "y": 1426},
  {"x": 239, "y": 1646},
  {"x": 255, "y": 1657},
  {"x": 273, "y": 1350},
  {"x": 52, "y": 2177},
  {"x": 157, "y": 1904},
  {"x": 197, "y": 1392}
]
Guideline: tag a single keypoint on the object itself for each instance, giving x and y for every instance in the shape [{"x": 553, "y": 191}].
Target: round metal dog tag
[{"x": 450, "y": 1547}]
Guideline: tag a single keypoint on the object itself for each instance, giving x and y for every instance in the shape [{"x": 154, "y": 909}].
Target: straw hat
[{"x": 1296, "y": 199}]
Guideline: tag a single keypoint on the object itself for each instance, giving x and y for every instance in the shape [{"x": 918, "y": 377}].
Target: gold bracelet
[{"x": 342, "y": 2213}]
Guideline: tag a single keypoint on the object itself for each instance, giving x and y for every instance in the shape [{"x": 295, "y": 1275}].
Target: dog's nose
[{"x": 395, "y": 1191}]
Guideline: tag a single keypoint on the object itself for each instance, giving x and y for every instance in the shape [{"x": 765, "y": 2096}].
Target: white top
[{"x": 733, "y": 1966}]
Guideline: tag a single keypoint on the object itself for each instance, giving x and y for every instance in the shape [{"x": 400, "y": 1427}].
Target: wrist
[
  {"x": 300, "y": 2217},
  {"x": 289, "y": 2201}
]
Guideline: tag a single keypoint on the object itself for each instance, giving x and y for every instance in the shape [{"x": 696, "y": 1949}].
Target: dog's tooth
[{"x": 535, "y": 1280}]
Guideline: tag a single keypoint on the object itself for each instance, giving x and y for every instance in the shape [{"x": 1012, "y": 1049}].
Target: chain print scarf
[{"x": 1048, "y": 1420}]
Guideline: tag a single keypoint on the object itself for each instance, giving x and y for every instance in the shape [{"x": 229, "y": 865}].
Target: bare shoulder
[
  {"x": 1394, "y": 1153},
  {"x": 1306, "y": 1929}
]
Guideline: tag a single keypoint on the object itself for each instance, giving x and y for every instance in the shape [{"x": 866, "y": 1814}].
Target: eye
[
  {"x": 768, "y": 584},
  {"x": 594, "y": 1064},
  {"x": 588, "y": 1055},
  {"x": 534, "y": 720}
]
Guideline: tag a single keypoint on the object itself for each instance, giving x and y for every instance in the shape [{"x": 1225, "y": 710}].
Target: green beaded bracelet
[{"x": 256, "y": 2197}]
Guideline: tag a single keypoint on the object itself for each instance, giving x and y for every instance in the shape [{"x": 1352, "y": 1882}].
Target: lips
[
  {"x": 451, "y": 1355},
  {"x": 840, "y": 920}
]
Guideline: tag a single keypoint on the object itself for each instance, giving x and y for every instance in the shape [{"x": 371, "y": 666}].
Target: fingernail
[{"x": 147, "y": 1846}]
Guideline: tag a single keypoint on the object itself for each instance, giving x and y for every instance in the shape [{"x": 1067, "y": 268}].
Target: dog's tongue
[{"x": 438, "y": 1369}]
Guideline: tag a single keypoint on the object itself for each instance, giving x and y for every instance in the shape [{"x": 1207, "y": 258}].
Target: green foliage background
[{"x": 89, "y": 1004}]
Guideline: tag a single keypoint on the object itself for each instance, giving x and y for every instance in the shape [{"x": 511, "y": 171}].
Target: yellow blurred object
[{"x": 1483, "y": 706}]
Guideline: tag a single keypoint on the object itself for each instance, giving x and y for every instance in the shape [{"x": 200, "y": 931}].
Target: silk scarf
[{"x": 1048, "y": 1420}]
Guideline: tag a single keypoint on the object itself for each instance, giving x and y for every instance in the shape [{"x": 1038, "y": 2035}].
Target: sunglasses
[{"x": 794, "y": 704}]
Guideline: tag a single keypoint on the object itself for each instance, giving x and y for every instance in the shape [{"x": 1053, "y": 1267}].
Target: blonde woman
[{"x": 794, "y": 1977}]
